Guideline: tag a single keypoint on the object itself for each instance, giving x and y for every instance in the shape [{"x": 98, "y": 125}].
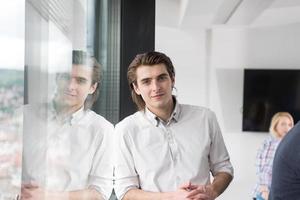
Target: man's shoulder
[
  {"x": 289, "y": 146},
  {"x": 130, "y": 120},
  {"x": 193, "y": 107},
  {"x": 97, "y": 120},
  {"x": 196, "y": 110}
]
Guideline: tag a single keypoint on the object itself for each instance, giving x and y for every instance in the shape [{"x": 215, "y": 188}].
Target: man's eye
[
  {"x": 146, "y": 82},
  {"x": 65, "y": 77},
  {"x": 161, "y": 78},
  {"x": 81, "y": 80}
]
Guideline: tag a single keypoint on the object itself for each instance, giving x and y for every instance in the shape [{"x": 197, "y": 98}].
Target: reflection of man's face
[{"x": 74, "y": 88}]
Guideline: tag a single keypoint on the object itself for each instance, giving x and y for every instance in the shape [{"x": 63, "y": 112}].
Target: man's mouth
[
  {"x": 157, "y": 96},
  {"x": 69, "y": 94}
]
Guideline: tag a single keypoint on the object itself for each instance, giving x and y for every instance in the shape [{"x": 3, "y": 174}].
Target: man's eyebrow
[
  {"x": 163, "y": 75},
  {"x": 60, "y": 74},
  {"x": 145, "y": 79},
  {"x": 81, "y": 78},
  {"x": 159, "y": 76}
]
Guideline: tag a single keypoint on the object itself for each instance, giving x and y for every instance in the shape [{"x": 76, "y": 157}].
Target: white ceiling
[{"x": 200, "y": 14}]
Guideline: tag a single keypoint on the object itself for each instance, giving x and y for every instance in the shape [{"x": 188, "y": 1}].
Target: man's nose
[
  {"x": 72, "y": 84},
  {"x": 155, "y": 85}
]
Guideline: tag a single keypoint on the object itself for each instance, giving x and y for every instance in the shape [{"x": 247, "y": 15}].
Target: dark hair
[
  {"x": 80, "y": 57},
  {"x": 149, "y": 59}
]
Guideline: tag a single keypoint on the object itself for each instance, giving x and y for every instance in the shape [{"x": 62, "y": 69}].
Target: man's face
[
  {"x": 155, "y": 86},
  {"x": 74, "y": 88}
]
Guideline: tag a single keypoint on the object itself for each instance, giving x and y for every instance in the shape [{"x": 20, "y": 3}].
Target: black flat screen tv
[{"x": 267, "y": 91}]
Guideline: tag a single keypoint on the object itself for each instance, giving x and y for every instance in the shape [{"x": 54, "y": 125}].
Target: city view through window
[{"x": 12, "y": 19}]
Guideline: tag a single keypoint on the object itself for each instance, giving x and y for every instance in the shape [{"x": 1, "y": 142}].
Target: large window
[
  {"x": 37, "y": 38},
  {"x": 11, "y": 95}
]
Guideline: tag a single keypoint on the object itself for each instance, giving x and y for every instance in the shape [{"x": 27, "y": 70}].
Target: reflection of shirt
[
  {"x": 159, "y": 157},
  {"x": 68, "y": 154},
  {"x": 264, "y": 163}
]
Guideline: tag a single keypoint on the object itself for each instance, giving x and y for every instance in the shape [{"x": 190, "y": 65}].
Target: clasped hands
[{"x": 188, "y": 191}]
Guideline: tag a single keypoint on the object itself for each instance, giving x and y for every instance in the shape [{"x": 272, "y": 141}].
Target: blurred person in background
[{"x": 280, "y": 125}]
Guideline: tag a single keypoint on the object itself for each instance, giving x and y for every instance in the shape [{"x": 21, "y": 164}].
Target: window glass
[
  {"x": 37, "y": 38},
  {"x": 11, "y": 95}
]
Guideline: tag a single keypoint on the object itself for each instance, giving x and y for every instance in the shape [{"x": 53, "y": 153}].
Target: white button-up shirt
[
  {"x": 160, "y": 156},
  {"x": 67, "y": 154}
]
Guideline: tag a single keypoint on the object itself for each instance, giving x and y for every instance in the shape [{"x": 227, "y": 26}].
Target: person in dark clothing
[{"x": 286, "y": 168}]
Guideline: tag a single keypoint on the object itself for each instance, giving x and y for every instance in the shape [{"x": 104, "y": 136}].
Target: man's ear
[
  {"x": 136, "y": 89},
  {"x": 93, "y": 88},
  {"x": 173, "y": 81}
]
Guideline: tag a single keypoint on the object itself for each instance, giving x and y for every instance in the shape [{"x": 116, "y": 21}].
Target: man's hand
[
  {"x": 189, "y": 191},
  {"x": 31, "y": 191},
  {"x": 202, "y": 192},
  {"x": 183, "y": 192},
  {"x": 213, "y": 190}
]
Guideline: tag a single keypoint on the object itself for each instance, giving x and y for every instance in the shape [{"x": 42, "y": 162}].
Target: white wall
[
  {"x": 209, "y": 66},
  {"x": 234, "y": 49},
  {"x": 186, "y": 50}
]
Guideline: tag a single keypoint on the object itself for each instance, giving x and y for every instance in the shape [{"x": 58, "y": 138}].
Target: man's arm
[
  {"x": 182, "y": 192},
  {"x": 36, "y": 193},
  {"x": 88, "y": 194},
  {"x": 186, "y": 191},
  {"x": 220, "y": 183},
  {"x": 211, "y": 191}
]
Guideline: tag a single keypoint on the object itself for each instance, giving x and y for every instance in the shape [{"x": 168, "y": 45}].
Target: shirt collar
[
  {"x": 176, "y": 112},
  {"x": 71, "y": 119},
  {"x": 76, "y": 116},
  {"x": 156, "y": 120},
  {"x": 151, "y": 117}
]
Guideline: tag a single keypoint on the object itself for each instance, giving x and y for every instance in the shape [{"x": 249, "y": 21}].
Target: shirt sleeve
[
  {"x": 101, "y": 175},
  {"x": 126, "y": 177},
  {"x": 219, "y": 159},
  {"x": 264, "y": 162}
]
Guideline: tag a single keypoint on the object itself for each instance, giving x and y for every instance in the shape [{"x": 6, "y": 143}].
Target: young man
[
  {"x": 167, "y": 150},
  {"x": 65, "y": 145}
]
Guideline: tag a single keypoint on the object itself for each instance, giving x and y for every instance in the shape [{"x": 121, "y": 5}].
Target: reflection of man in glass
[{"x": 65, "y": 153}]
